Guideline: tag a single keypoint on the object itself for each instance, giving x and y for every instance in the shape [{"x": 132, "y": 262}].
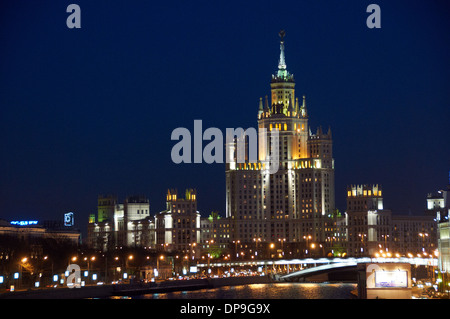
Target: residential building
[
  {"x": 178, "y": 227},
  {"x": 368, "y": 224},
  {"x": 438, "y": 206},
  {"x": 414, "y": 235},
  {"x": 295, "y": 203},
  {"x": 128, "y": 224},
  {"x": 372, "y": 230},
  {"x": 215, "y": 231}
]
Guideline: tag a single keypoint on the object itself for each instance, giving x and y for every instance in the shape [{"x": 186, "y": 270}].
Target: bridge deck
[
  {"x": 322, "y": 268},
  {"x": 414, "y": 261}
]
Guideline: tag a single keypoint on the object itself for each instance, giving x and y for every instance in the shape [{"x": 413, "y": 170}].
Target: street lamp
[
  {"x": 423, "y": 235},
  {"x": 362, "y": 241},
  {"x": 157, "y": 262},
  {"x": 307, "y": 242},
  {"x": 87, "y": 260},
  {"x": 236, "y": 242},
  {"x": 22, "y": 261},
  {"x": 256, "y": 240},
  {"x": 193, "y": 247},
  {"x": 385, "y": 241},
  {"x": 130, "y": 258},
  {"x": 282, "y": 240}
]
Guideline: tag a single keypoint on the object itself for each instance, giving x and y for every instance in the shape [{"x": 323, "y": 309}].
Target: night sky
[{"x": 90, "y": 111}]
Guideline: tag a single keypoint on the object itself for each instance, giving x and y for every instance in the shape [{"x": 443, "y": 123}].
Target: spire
[
  {"x": 282, "y": 75},
  {"x": 304, "y": 113},
  {"x": 260, "y": 110},
  {"x": 290, "y": 105},
  {"x": 319, "y": 131},
  {"x": 329, "y": 132},
  {"x": 266, "y": 104},
  {"x": 282, "y": 62}
]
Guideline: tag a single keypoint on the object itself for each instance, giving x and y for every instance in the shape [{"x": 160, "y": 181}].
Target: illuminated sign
[
  {"x": 193, "y": 269},
  {"x": 24, "y": 222},
  {"x": 68, "y": 219},
  {"x": 391, "y": 279}
]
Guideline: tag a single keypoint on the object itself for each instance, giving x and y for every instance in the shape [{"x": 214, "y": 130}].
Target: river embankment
[{"x": 131, "y": 289}]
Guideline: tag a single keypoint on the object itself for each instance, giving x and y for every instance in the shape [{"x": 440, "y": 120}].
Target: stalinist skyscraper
[{"x": 293, "y": 206}]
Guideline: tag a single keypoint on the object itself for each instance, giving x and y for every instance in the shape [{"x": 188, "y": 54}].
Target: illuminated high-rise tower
[{"x": 293, "y": 207}]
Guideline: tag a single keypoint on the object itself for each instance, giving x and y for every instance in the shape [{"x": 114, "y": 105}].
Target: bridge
[
  {"x": 341, "y": 270},
  {"x": 328, "y": 268}
]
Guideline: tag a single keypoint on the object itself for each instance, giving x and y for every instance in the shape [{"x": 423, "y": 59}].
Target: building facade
[
  {"x": 372, "y": 230},
  {"x": 295, "y": 203},
  {"x": 178, "y": 227},
  {"x": 414, "y": 235},
  {"x": 368, "y": 224},
  {"x": 31, "y": 237},
  {"x": 215, "y": 231},
  {"x": 438, "y": 206},
  {"x": 117, "y": 225},
  {"x": 29, "y": 230}
]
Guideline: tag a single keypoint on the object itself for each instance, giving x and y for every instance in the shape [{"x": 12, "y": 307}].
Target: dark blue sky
[{"x": 90, "y": 111}]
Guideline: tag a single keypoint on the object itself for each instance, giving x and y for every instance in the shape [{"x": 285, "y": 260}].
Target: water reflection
[{"x": 265, "y": 291}]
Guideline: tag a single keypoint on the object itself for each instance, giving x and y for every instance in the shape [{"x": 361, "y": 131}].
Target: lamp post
[
  {"x": 128, "y": 259},
  {"x": 307, "y": 243},
  {"x": 87, "y": 259},
  {"x": 106, "y": 268},
  {"x": 22, "y": 261},
  {"x": 423, "y": 235},
  {"x": 385, "y": 242},
  {"x": 256, "y": 240},
  {"x": 271, "y": 246},
  {"x": 45, "y": 259},
  {"x": 193, "y": 248},
  {"x": 282, "y": 240},
  {"x": 116, "y": 268},
  {"x": 157, "y": 263},
  {"x": 236, "y": 242},
  {"x": 208, "y": 242},
  {"x": 362, "y": 243},
  {"x": 323, "y": 249}
]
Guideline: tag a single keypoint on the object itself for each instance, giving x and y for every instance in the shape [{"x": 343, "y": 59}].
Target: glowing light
[{"x": 24, "y": 222}]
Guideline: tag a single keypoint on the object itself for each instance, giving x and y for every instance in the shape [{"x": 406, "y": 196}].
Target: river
[{"x": 264, "y": 291}]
